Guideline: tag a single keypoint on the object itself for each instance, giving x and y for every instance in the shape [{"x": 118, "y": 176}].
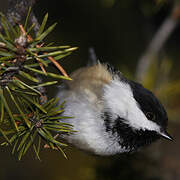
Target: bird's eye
[{"x": 151, "y": 116}]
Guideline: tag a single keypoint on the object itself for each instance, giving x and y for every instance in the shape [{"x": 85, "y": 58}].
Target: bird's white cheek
[
  {"x": 119, "y": 100},
  {"x": 138, "y": 120}
]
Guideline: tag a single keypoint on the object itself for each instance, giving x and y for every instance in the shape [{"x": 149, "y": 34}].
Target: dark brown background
[{"x": 119, "y": 31}]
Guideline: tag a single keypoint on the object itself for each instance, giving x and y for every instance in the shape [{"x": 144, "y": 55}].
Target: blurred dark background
[{"x": 119, "y": 31}]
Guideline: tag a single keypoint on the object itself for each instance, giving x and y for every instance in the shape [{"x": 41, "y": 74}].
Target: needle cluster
[{"x": 27, "y": 118}]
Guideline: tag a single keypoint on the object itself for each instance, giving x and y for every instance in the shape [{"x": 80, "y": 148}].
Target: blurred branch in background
[
  {"x": 157, "y": 42},
  {"x": 92, "y": 60}
]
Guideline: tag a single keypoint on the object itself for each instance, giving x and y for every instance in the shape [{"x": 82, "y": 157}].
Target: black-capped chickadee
[{"x": 111, "y": 113}]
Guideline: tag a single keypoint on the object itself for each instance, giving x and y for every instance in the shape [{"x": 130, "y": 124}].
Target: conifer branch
[{"x": 24, "y": 120}]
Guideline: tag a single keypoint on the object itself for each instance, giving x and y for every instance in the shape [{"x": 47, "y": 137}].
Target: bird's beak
[{"x": 166, "y": 135}]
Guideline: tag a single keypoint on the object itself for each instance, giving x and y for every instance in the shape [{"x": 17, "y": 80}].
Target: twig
[
  {"x": 157, "y": 42},
  {"x": 92, "y": 60},
  {"x": 57, "y": 65}
]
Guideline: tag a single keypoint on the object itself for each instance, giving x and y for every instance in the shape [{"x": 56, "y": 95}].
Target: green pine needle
[
  {"x": 48, "y": 74},
  {"x": 28, "y": 76},
  {"x": 27, "y": 18},
  {"x": 18, "y": 107},
  {"x": 41, "y": 29},
  {"x": 44, "y": 34},
  {"x": 4, "y": 101}
]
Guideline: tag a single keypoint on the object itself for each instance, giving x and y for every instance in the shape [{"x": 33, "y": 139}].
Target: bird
[{"x": 111, "y": 114}]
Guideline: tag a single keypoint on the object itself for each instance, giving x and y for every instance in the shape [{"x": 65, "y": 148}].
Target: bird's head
[{"x": 133, "y": 114}]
